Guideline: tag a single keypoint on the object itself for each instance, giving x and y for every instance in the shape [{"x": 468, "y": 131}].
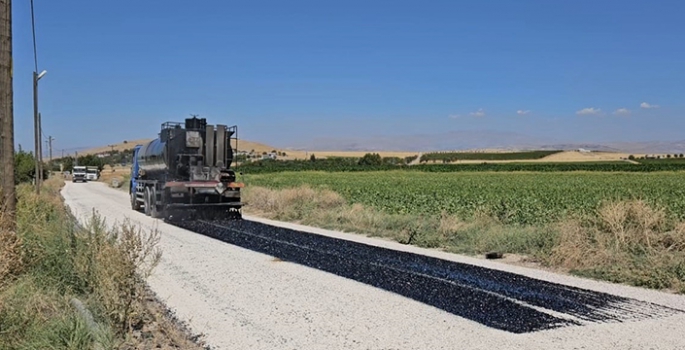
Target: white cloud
[
  {"x": 454, "y": 116},
  {"x": 522, "y": 112},
  {"x": 647, "y": 105},
  {"x": 622, "y": 111},
  {"x": 589, "y": 111},
  {"x": 478, "y": 113}
]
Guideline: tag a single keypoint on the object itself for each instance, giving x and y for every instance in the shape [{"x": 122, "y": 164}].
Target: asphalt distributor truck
[{"x": 185, "y": 173}]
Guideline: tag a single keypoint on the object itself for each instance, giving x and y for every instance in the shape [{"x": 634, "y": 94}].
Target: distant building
[{"x": 271, "y": 155}]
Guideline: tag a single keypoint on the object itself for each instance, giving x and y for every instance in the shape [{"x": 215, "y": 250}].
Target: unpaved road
[{"x": 242, "y": 299}]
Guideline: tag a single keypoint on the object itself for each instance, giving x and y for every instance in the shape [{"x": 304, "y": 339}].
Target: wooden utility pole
[
  {"x": 40, "y": 150},
  {"x": 7, "y": 117}
]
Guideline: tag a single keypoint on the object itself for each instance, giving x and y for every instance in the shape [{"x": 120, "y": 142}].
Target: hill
[
  {"x": 570, "y": 154},
  {"x": 251, "y": 146},
  {"x": 122, "y": 146}
]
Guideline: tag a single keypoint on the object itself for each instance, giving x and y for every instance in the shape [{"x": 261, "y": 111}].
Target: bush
[
  {"x": 49, "y": 261},
  {"x": 371, "y": 159}
]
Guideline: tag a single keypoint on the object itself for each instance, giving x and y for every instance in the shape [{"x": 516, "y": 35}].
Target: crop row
[
  {"x": 347, "y": 165},
  {"x": 519, "y": 198}
]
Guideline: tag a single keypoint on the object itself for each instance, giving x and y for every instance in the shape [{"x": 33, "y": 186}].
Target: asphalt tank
[{"x": 173, "y": 155}]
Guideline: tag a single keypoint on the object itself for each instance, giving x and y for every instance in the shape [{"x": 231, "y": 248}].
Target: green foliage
[
  {"x": 371, "y": 159},
  {"x": 674, "y": 160},
  {"x": 410, "y": 159},
  {"x": 24, "y": 166},
  {"x": 116, "y": 157},
  {"x": 516, "y": 198},
  {"x": 339, "y": 164},
  {"x": 452, "y": 156}
]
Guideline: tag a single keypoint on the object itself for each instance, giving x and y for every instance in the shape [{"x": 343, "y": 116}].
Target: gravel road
[{"x": 246, "y": 298}]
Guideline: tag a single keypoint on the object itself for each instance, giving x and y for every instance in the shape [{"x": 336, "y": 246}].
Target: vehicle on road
[
  {"x": 186, "y": 174},
  {"x": 79, "y": 174},
  {"x": 92, "y": 173}
]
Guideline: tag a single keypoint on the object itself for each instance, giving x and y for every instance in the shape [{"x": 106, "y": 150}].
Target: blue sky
[{"x": 287, "y": 71}]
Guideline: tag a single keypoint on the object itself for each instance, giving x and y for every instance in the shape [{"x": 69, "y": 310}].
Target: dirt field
[
  {"x": 107, "y": 175},
  {"x": 567, "y": 156},
  {"x": 324, "y": 154}
]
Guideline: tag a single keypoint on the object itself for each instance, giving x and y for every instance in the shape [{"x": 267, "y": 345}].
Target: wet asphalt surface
[{"x": 497, "y": 299}]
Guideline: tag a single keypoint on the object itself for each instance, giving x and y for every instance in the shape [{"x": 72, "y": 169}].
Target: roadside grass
[
  {"x": 50, "y": 263},
  {"x": 626, "y": 242}
]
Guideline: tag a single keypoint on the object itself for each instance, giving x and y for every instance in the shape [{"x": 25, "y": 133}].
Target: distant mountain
[
  {"x": 426, "y": 142},
  {"x": 663, "y": 147},
  {"x": 469, "y": 140}
]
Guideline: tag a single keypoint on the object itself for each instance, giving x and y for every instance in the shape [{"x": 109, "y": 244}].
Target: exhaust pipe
[
  {"x": 220, "y": 146},
  {"x": 209, "y": 146}
]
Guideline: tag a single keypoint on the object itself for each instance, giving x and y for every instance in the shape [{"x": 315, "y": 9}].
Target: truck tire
[
  {"x": 146, "y": 203},
  {"x": 154, "y": 209},
  {"x": 135, "y": 205}
]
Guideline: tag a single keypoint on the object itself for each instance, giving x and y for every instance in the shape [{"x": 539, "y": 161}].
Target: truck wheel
[
  {"x": 146, "y": 195},
  {"x": 135, "y": 205},
  {"x": 154, "y": 209}
]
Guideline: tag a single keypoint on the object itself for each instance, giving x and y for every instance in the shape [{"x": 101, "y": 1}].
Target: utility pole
[
  {"x": 7, "y": 117},
  {"x": 36, "y": 129},
  {"x": 111, "y": 156},
  {"x": 40, "y": 148},
  {"x": 49, "y": 141}
]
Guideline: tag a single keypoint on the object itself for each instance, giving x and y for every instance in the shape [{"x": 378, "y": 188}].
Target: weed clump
[{"x": 51, "y": 259}]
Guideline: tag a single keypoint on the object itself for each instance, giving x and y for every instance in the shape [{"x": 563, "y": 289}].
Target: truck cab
[
  {"x": 92, "y": 173},
  {"x": 79, "y": 174}
]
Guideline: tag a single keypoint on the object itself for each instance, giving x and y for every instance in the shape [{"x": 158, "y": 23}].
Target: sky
[{"x": 289, "y": 71}]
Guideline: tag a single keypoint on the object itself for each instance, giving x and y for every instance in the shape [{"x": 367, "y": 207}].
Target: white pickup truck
[{"x": 79, "y": 174}]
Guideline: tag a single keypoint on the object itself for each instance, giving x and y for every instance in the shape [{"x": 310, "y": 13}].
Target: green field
[
  {"x": 514, "y": 197},
  {"x": 391, "y": 164}
]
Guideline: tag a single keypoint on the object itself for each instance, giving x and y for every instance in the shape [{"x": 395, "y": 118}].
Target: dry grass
[
  {"x": 10, "y": 256},
  {"x": 121, "y": 146},
  {"x": 327, "y": 209},
  {"x": 50, "y": 261},
  {"x": 114, "y": 265},
  {"x": 625, "y": 242},
  {"x": 119, "y": 172},
  {"x": 629, "y": 242}
]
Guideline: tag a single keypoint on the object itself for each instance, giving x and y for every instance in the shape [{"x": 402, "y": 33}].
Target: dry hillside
[
  {"x": 259, "y": 148},
  {"x": 122, "y": 146}
]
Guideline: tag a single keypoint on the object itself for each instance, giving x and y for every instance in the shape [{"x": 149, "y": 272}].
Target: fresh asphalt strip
[{"x": 497, "y": 299}]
